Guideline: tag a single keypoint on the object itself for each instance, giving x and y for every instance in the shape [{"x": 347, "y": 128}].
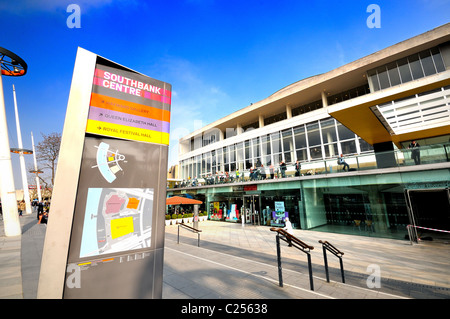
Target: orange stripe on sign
[{"x": 111, "y": 103}]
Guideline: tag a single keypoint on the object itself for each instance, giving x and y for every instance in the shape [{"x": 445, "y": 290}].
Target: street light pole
[
  {"x": 26, "y": 192},
  {"x": 36, "y": 171},
  {"x": 8, "y": 191},
  {"x": 10, "y": 65}
]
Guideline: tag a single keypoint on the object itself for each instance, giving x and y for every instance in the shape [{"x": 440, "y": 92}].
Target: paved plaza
[{"x": 232, "y": 261}]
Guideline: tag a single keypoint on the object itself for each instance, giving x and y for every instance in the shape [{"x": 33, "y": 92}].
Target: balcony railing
[{"x": 431, "y": 154}]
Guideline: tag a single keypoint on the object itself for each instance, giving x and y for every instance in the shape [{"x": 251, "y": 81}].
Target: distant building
[{"x": 369, "y": 111}]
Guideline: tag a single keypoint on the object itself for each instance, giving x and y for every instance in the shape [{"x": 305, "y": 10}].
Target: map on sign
[
  {"x": 108, "y": 161},
  {"x": 116, "y": 220}
]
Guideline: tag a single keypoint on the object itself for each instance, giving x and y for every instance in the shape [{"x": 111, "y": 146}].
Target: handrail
[
  {"x": 292, "y": 240},
  {"x": 190, "y": 228},
  {"x": 327, "y": 246},
  {"x": 331, "y": 248},
  {"x": 194, "y": 230}
]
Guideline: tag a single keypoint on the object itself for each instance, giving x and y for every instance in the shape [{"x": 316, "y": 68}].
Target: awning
[{"x": 178, "y": 200}]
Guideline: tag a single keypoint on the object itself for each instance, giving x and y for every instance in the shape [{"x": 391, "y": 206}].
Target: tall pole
[
  {"x": 38, "y": 185},
  {"x": 8, "y": 191},
  {"x": 26, "y": 192}
]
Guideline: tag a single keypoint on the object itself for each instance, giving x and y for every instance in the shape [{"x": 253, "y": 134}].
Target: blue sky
[{"x": 219, "y": 56}]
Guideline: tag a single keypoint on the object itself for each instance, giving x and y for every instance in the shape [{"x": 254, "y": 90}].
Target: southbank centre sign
[{"x": 105, "y": 234}]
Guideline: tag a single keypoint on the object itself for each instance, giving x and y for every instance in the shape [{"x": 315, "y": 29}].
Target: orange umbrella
[{"x": 178, "y": 200}]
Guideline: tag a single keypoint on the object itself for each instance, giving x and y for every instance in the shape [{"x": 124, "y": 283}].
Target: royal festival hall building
[{"x": 370, "y": 111}]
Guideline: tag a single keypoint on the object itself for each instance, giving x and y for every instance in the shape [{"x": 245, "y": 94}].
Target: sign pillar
[{"x": 110, "y": 186}]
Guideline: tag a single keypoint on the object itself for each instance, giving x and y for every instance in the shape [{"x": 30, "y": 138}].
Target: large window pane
[
  {"x": 427, "y": 63},
  {"x": 313, "y": 134},
  {"x": 416, "y": 68},
  {"x": 405, "y": 72},
  {"x": 287, "y": 140},
  {"x": 276, "y": 146},
  {"x": 315, "y": 152},
  {"x": 437, "y": 58},
  {"x": 328, "y": 131},
  {"x": 299, "y": 137},
  {"x": 344, "y": 133},
  {"x": 373, "y": 80},
  {"x": 394, "y": 76},
  {"x": 302, "y": 155},
  {"x": 383, "y": 77},
  {"x": 348, "y": 147},
  {"x": 331, "y": 150}
]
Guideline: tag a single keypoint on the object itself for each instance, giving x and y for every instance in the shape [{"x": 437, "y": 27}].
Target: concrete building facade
[{"x": 278, "y": 157}]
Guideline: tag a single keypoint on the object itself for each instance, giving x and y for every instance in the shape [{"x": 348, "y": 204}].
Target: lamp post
[
  {"x": 11, "y": 65},
  {"x": 21, "y": 152},
  {"x": 36, "y": 171}
]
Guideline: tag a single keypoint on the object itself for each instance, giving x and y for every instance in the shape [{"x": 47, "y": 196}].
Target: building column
[
  {"x": 288, "y": 111},
  {"x": 261, "y": 121},
  {"x": 384, "y": 154},
  {"x": 324, "y": 99}
]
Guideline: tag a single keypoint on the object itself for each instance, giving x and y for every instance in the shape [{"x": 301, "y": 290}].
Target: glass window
[
  {"x": 427, "y": 63},
  {"x": 373, "y": 80},
  {"x": 287, "y": 140},
  {"x": 344, "y": 133},
  {"x": 437, "y": 58},
  {"x": 364, "y": 146},
  {"x": 416, "y": 68},
  {"x": 328, "y": 131},
  {"x": 302, "y": 155},
  {"x": 299, "y": 137},
  {"x": 275, "y": 137},
  {"x": 315, "y": 152},
  {"x": 256, "y": 147},
  {"x": 331, "y": 150},
  {"x": 313, "y": 134},
  {"x": 348, "y": 147},
  {"x": 394, "y": 76},
  {"x": 383, "y": 77},
  {"x": 239, "y": 152},
  {"x": 232, "y": 153},
  {"x": 405, "y": 72}
]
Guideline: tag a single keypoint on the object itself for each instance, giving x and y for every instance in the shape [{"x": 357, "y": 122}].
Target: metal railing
[
  {"x": 293, "y": 242},
  {"x": 431, "y": 154},
  {"x": 192, "y": 229},
  {"x": 327, "y": 246}
]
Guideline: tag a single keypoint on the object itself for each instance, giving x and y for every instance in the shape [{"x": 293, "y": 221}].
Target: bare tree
[{"x": 47, "y": 152}]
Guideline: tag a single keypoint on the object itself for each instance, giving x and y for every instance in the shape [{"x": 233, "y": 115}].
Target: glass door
[{"x": 251, "y": 210}]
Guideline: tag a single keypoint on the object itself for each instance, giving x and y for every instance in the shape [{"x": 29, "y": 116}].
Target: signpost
[{"x": 105, "y": 236}]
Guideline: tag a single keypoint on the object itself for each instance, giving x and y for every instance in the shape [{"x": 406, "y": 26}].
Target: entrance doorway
[
  {"x": 429, "y": 208},
  {"x": 251, "y": 209}
]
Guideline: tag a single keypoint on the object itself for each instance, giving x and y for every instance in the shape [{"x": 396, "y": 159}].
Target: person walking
[{"x": 415, "y": 152}]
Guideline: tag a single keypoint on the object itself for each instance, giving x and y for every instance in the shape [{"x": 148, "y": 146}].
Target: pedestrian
[
  {"x": 342, "y": 162},
  {"x": 272, "y": 173},
  {"x": 21, "y": 207},
  {"x": 298, "y": 166},
  {"x": 288, "y": 229},
  {"x": 40, "y": 209},
  {"x": 283, "y": 169},
  {"x": 415, "y": 152}
]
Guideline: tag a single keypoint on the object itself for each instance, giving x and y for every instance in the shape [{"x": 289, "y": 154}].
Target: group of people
[{"x": 41, "y": 209}]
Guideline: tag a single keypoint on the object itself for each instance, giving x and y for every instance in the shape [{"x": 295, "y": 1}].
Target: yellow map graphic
[{"x": 121, "y": 227}]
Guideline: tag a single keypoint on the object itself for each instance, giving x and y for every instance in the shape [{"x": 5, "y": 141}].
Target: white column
[
  {"x": 38, "y": 184},
  {"x": 8, "y": 191},
  {"x": 26, "y": 192}
]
